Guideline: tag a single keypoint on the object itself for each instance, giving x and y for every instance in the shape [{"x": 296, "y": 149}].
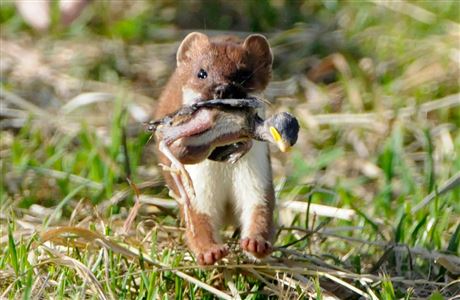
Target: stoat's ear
[
  {"x": 191, "y": 41},
  {"x": 258, "y": 46}
]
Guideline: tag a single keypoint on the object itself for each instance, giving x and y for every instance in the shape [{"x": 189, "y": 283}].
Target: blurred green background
[{"x": 374, "y": 84}]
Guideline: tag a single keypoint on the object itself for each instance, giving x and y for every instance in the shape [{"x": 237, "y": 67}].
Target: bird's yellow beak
[{"x": 282, "y": 144}]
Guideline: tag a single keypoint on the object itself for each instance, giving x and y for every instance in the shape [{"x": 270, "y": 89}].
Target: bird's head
[{"x": 284, "y": 130}]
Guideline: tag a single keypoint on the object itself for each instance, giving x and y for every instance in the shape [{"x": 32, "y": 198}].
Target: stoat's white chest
[
  {"x": 217, "y": 184},
  {"x": 241, "y": 184}
]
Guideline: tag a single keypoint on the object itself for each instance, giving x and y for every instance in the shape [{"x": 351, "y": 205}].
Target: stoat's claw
[
  {"x": 212, "y": 255},
  {"x": 259, "y": 247}
]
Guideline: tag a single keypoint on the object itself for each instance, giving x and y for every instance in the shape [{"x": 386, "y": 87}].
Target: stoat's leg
[
  {"x": 212, "y": 186},
  {"x": 202, "y": 240},
  {"x": 258, "y": 233},
  {"x": 254, "y": 196},
  {"x": 199, "y": 207}
]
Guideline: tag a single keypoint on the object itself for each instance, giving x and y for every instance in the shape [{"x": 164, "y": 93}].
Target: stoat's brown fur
[{"x": 228, "y": 68}]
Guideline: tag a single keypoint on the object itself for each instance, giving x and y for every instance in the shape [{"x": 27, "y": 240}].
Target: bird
[{"x": 222, "y": 130}]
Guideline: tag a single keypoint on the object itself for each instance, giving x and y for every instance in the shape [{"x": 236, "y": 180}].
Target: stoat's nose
[{"x": 229, "y": 91}]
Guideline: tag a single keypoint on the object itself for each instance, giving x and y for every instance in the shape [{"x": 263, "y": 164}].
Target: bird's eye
[{"x": 202, "y": 74}]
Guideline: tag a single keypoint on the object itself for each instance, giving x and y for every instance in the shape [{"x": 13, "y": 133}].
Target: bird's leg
[
  {"x": 169, "y": 169},
  {"x": 183, "y": 183},
  {"x": 202, "y": 121}
]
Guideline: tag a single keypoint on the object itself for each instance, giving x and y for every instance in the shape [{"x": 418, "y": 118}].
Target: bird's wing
[
  {"x": 185, "y": 111},
  {"x": 230, "y": 103}
]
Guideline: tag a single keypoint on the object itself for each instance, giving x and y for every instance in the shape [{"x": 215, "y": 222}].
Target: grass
[{"x": 376, "y": 90}]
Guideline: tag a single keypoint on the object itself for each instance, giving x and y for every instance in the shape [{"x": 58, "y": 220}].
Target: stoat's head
[{"x": 224, "y": 68}]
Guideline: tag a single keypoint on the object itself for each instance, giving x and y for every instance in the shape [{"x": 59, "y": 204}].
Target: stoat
[{"x": 241, "y": 193}]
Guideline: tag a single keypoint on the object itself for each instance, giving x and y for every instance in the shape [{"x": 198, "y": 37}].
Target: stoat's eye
[{"x": 202, "y": 74}]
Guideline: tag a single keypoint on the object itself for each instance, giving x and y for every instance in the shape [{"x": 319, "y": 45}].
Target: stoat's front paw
[
  {"x": 258, "y": 247},
  {"x": 212, "y": 254}
]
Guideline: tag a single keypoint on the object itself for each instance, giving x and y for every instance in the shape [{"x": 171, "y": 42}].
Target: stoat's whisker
[{"x": 252, "y": 74}]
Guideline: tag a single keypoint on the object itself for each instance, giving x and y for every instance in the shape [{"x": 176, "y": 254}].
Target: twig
[
  {"x": 425, "y": 253},
  {"x": 315, "y": 272},
  {"x": 84, "y": 99},
  {"x": 261, "y": 278},
  {"x": 121, "y": 195},
  {"x": 62, "y": 124},
  {"x": 72, "y": 177},
  {"x": 124, "y": 143},
  {"x": 318, "y": 209},
  {"x": 22, "y": 103},
  {"x": 370, "y": 118},
  {"x": 416, "y": 12},
  {"x": 133, "y": 213},
  {"x": 347, "y": 285},
  {"x": 450, "y": 184},
  {"x": 231, "y": 284},
  {"x": 131, "y": 253},
  {"x": 80, "y": 268},
  {"x": 165, "y": 203},
  {"x": 62, "y": 204},
  {"x": 107, "y": 272}
]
